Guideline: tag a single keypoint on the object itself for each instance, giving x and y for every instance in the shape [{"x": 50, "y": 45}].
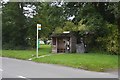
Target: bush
[
  {"x": 8, "y": 46},
  {"x": 110, "y": 41},
  {"x": 58, "y": 30}
]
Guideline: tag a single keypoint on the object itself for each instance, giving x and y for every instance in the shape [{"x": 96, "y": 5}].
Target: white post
[{"x": 37, "y": 44}]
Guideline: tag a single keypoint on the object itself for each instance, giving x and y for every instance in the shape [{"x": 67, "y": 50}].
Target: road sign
[{"x": 38, "y": 26}]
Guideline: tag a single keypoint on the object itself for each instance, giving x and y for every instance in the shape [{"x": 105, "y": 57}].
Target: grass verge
[
  {"x": 89, "y": 61},
  {"x": 26, "y": 54}
]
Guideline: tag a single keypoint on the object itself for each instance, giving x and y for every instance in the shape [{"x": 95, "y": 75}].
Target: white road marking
[
  {"x": 21, "y": 77},
  {"x": 45, "y": 55},
  {"x": 42, "y": 56},
  {"x": 24, "y": 77},
  {"x": 1, "y": 70}
]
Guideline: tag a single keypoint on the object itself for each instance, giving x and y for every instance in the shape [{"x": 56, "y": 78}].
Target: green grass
[
  {"x": 26, "y": 54},
  {"x": 89, "y": 61}
]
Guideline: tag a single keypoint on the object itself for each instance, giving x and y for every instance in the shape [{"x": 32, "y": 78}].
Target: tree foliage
[
  {"x": 14, "y": 30},
  {"x": 99, "y": 19}
]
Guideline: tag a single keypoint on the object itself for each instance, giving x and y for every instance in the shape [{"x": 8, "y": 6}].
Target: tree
[
  {"x": 96, "y": 15},
  {"x": 14, "y": 30},
  {"x": 55, "y": 17}
]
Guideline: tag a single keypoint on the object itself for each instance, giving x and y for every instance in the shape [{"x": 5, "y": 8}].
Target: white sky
[
  {"x": 5, "y": 1},
  {"x": 71, "y": 18}
]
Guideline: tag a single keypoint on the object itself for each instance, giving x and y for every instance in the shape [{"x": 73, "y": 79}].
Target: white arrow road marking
[
  {"x": 21, "y": 77},
  {"x": 24, "y": 77}
]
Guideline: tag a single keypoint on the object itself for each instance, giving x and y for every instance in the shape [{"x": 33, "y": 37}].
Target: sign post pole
[
  {"x": 38, "y": 28},
  {"x": 37, "y": 44}
]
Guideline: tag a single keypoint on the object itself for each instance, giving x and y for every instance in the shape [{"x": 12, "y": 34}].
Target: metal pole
[{"x": 37, "y": 44}]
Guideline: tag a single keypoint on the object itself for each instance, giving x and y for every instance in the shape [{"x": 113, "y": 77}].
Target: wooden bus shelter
[{"x": 63, "y": 43}]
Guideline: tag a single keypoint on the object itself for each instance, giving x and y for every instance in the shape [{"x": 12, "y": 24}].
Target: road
[{"x": 13, "y": 68}]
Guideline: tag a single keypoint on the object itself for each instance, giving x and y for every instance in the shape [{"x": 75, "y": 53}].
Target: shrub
[{"x": 110, "y": 41}]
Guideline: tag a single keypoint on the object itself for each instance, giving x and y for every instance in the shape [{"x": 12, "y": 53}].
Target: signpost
[{"x": 38, "y": 28}]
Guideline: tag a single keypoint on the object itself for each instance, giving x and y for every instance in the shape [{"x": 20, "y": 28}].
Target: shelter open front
[{"x": 63, "y": 43}]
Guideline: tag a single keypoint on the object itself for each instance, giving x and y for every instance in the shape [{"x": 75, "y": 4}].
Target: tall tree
[{"x": 14, "y": 30}]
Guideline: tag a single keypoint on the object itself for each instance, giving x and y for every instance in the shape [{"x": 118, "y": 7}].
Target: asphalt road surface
[{"x": 13, "y": 68}]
